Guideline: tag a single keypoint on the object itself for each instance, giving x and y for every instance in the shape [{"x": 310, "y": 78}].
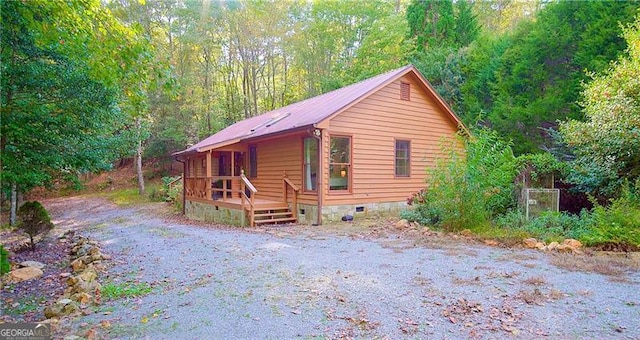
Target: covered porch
[{"x": 237, "y": 193}]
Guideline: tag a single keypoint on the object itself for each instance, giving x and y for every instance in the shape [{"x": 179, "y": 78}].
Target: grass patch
[
  {"x": 130, "y": 196},
  {"x": 126, "y": 197},
  {"x": 24, "y": 305},
  {"x": 111, "y": 291}
]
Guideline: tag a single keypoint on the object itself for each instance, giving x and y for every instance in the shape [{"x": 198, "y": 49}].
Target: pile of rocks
[
  {"x": 83, "y": 288},
  {"x": 567, "y": 246}
]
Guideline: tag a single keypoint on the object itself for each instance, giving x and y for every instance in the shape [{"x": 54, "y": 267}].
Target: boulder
[
  {"x": 89, "y": 274},
  {"x": 402, "y": 224},
  {"x": 539, "y": 246},
  {"x": 35, "y": 264},
  {"x": 24, "y": 274},
  {"x": 572, "y": 243},
  {"x": 82, "y": 298},
  {"x": 564, "y": 248},
  {"x": 530, "y": 243},
  {"x": 63, "y": 306},
  {"x": 552, "y": 246},
  {"x": 466, "y": 233},
  {"x": 84, "y": 287},
  {"x": 491, "y": 243},
  {"x": 78, "y": 265}
]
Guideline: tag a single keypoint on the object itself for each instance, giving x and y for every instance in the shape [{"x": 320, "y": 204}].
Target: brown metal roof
[{"x": 306, "y": 113}]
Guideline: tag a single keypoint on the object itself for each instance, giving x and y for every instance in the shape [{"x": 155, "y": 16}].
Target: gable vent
[{"x": 405, "y": 91}]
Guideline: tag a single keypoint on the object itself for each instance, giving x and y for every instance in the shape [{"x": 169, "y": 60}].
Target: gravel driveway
[{"x": 308, "y": 282}]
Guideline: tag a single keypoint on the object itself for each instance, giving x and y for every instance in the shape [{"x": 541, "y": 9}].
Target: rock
[
  {"x": 64, "y": 301},
  {"x": 491, "y": 243},
  {"x": 530, "y": 243},
  {"x": 82, "y": 298},
  {"x": 539, "y": 245},
  {"x": 94, "y": 251},
  {"x": 85, "y": 287},
  {"x": 34, "y": 264},
  {"x": 552, "y": 246},
  {"x": 78, "y": 265},
  {"x": 402, "y": 224},
  {"x": 72, "y": 281},
  {"x": 572, "y": 243},
  {"x": 89, "y": 274},
  {"x": 466, "y": 233},
  {"x": 65, "y": 275},
  {"x": 426, "y": 231},
  {"x": 63, "y": 306},
  {"x": 564, "y": 248},
  {"x": 24, "y": 274}
]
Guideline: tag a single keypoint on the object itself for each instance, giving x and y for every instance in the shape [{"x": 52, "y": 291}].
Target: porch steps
[{"x": 273, "y": 215}]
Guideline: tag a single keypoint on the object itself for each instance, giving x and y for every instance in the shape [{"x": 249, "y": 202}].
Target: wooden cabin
[{"x": 351, "y": 151}]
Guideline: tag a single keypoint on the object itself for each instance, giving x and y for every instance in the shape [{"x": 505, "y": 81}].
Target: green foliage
[
  {"x": 5, "y": 266},
  {"x": 619, "y": 223},
  {"x": 607, "y": 144},
  {"x": 59, "y": 110},
  {"x": 614, "y": 226},
  {"x": 172, "y": 188},
  {"x": 466, "y": 191},
  {"x": 549, "y": 226},
  {"x": 439, "y": 31},
  {"x": 431, "y": 23},
  {"x": 34, "y": 220},
  {"x": 525, "y": 81},
  {"x": 112, "y": 291}
]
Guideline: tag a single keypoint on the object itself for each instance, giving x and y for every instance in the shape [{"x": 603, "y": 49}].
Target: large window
[
  {"x": 403, "y": 153},
  {"x": 340, "y": 164},
  {"x": 253, "y": 161},
  {"x": 310, "y": 164}
]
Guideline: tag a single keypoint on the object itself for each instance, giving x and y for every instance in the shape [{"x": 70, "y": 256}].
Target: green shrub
[
  {"x": 34, "y": 220},
  {"x": 465, "y": 191},
  {"x": 5, "y": 267},
  {"x": 619, "y": 223},
  {"x": 549, "y": 226},
  {"x": 171, "y": 193}
]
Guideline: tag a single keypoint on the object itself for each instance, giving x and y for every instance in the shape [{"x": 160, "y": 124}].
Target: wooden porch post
[{"x": 208, "y": 174}]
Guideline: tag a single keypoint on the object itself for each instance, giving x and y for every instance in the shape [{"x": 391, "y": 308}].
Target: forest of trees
[{"x": 85, "y": 83}]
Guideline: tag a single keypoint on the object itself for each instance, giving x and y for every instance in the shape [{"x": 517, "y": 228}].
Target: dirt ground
[{"x": 366, "y": 279}]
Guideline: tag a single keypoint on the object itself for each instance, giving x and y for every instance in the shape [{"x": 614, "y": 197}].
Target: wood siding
[
  {"x": 374, "y": 124},
  {"x": 274, "y": 157}
]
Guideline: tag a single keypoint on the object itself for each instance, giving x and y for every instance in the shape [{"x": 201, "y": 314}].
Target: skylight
[{"x": 271, "y": 121}]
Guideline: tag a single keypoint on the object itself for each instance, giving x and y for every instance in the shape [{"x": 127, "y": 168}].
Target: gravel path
[{"x": 294, "y": 282}]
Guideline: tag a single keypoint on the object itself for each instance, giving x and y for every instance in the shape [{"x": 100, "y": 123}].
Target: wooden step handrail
[
  {"x": 244, "y": 184},
  {"x": 286, "y": 184}
]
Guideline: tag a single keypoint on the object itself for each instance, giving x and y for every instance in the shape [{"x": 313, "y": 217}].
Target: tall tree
[
  {"x": 607, "y": 144},
  {"x": 440, "y": 32},
  {"x": 58, "y": 116},
  {"x": 538, "y": 80}
]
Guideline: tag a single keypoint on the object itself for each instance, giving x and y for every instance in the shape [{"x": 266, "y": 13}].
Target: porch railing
[{"x": 204, "y": 188}]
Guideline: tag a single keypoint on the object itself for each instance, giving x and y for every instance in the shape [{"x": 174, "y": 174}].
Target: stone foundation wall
[
  {"x": 310, "y": 215},
  {"x": 332, "y": 213},
  {"x": 209, "y": 213}
]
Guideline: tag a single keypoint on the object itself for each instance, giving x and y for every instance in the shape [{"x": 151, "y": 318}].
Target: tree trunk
[
  {"x": 139, "y": 159},
  {"x": 14, "y": 204}
]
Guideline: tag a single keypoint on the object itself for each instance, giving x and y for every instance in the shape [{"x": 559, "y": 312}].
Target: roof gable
[{"x": 310, "y": 112}]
